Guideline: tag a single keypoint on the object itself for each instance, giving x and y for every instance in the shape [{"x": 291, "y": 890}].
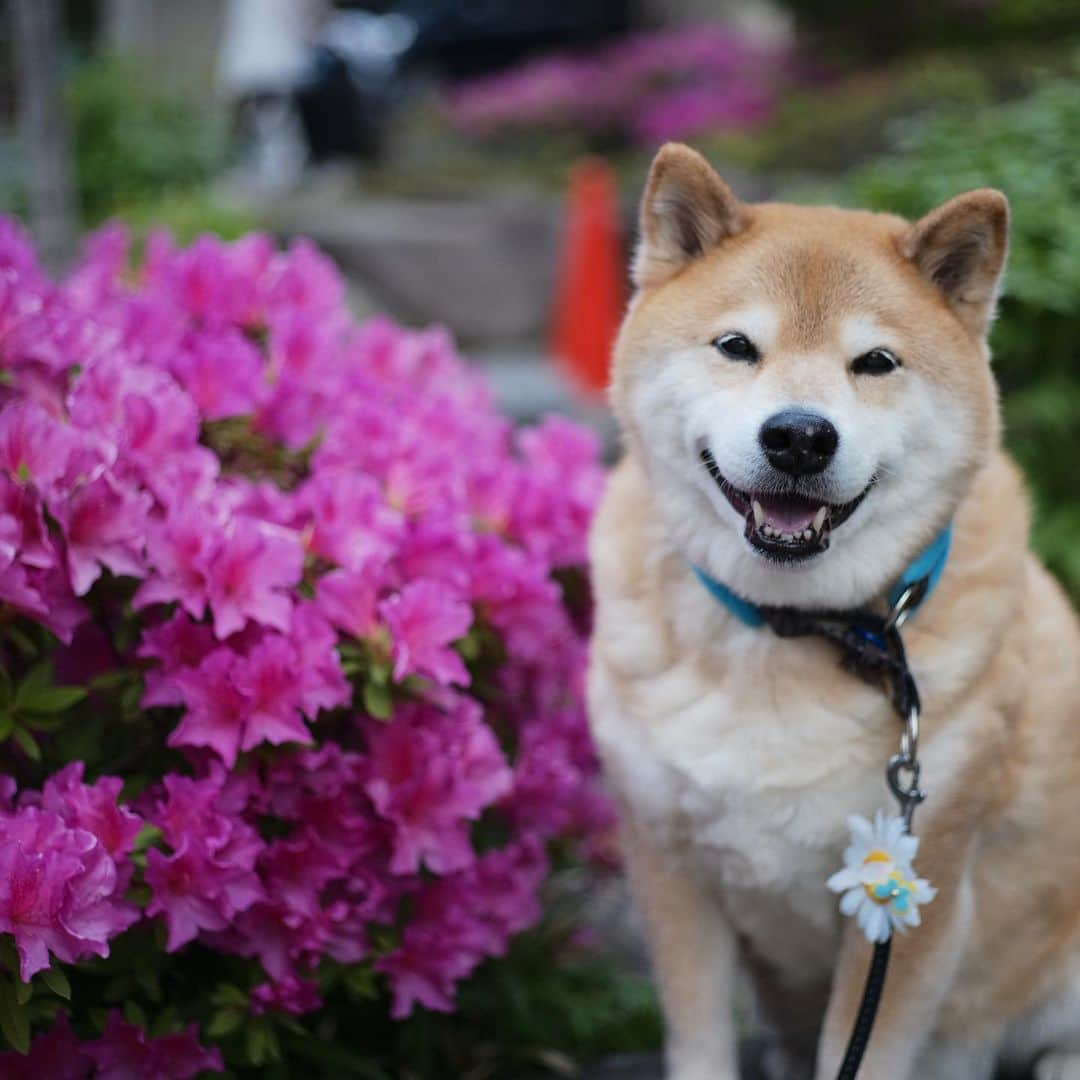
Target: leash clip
[
  {"x": 902, "y": 772},
  {"x": 905, "y": 604}
]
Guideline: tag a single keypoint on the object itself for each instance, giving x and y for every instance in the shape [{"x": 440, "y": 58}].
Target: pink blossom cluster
[
  {"x": 123, "y": 1052},
  {"x": 334, "y": 576},
  {"x": 64, "y": 868},
  {"x": 648, "y": 87}
]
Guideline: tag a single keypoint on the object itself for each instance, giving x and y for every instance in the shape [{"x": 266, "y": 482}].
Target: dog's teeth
[
  {"x": 767, "y": 530},
  {"x": 819, "y": 519},
  {"x": 807, "y": 534},
  {"x": 759, "y": 514},
  {"x": 787, "y": 536}
]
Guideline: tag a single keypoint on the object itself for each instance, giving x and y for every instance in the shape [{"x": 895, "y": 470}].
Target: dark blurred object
[
  {"x": 863, "y": 34},
  {"x": 42, "y": 126},
  {"x": 356, "y": 74},
  {"x": 368, "y": 56},
  {"x": 458, "y": 38}
]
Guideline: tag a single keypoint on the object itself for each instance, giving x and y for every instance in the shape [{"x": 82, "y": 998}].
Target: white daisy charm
[{"x": 878, "y": 882}]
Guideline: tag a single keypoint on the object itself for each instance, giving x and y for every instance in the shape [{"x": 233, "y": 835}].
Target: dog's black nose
[{"x": 798, "y": 442}]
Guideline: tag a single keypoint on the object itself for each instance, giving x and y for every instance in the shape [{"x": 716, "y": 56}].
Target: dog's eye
[
  {"x": 737, "y": 347},
  {"x": 875, "y": 362}
]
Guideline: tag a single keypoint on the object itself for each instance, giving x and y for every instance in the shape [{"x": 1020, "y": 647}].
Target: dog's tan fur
[{"x": 736, "y": 755}]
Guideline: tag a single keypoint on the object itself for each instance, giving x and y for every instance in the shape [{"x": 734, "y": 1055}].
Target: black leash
[
  {"x": 872, "y": 649},
  {"x": 864, "y": 1021}
]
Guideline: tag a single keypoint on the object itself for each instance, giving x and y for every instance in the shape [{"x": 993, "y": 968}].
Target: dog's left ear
[{"x": 960, "y": 248}]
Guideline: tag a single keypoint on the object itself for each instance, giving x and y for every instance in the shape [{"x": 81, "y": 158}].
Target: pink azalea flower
[
  {"x": 346, "y": 518},
  {"x": 308, "y": 280},
  {"x": 57, "y": 890},
  {"x": 175, "y": 644},
  {"x": 320, "y": 682},
  {"x": 249, "y": 576},
  {"x": 349, "y": 598},
  {"x": 95, "y": 808},
  {"x": 179, "y": 550},
  {"x": 55, "y": 1055},
  {"x": 217, "y": 710},
  {"x": 23, "y": 533},
  {"x": 291, "y": 995},
  {"x": 34, "y": 446},
  {"x": 104, "y": 525},
  {"x": 267, "y": 678},
  {"x": 222, "y": 372},
  {"x": 126, "y": 1052},
  {"x": 459, "y": 922},
  {"x": 44, "y": 595},
  {"x": 209, "y": 878},
  {"x": 423, "y": 619},
  {"x": 430, "y": 774},
  {"x": 208, "y": 282}
]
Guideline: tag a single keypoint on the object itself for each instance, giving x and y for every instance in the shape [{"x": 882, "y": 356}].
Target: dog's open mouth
[{"x": 784, "y": 525}]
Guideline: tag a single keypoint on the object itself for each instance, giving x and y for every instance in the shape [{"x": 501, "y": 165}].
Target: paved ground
[{"x": 649, "y": 1067}]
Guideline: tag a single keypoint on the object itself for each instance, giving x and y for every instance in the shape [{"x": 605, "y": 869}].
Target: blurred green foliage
[
  {"x": 189, "y": 214},
  {"x": 145, "y": 153},
  {"x": 1028, "y": 149},
  {"x": 133, "y": 141},
  {"x": 826, "y": 127},
  {"x": 871, "y": 32}
]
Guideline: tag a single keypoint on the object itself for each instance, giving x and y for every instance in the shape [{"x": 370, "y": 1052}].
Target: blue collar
[{"x": 926, "y": 567}]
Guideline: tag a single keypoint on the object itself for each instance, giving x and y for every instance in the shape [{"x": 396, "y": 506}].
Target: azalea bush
[
  {"x": 293, "y": 627},
  {"x": 644, "y": 88}
]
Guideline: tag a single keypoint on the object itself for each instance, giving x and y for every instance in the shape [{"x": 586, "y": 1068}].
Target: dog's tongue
[{"x": 788, "y": 513}]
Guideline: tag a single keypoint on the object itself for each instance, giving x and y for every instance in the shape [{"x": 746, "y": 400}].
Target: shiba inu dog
[{"x": 807, "y": 401}]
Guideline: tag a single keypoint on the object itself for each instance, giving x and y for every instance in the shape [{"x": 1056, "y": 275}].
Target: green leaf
[
  {"x": 7, "y": 724},
  {"x": 9, "y": 955},
  {"x": 109, "y": 680},
  {"x": 22, "y": 641},
  {"x": 57, "y": 982},
  {"x": 361, "y": 982},
  {"x": 226, "y": 994},
  {"x": 147, "y": 837},
  {"x": 42, "y": 722},
  {"x": 28, "y": 743},
  {"x": 38, "y": 677},
  {"x": 130, "y": 700},
  {"x": 380, "y": 672},
  {"x": 14, "y": 1019},
  {"x": 262, "y": 1044},
  {"x": 135, "y": 1014},
  {"x": 166, "y": 1022},
  {"x": 23, "y": 992},
  {"x": 224, "y": 1023},
  {"x": 49, "y": 699},
  {"x": 377, "y": 701},
  {"x": 468, "y": 647}
]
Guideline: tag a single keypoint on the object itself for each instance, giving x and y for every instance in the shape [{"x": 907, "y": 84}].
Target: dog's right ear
[{"x": 686, "y": 211}]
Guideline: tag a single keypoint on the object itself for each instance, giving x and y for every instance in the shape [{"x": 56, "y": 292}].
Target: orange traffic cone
[{"x": 591, "y": 287}]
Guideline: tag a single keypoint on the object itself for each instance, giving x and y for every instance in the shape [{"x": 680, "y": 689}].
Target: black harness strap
[{"x": 871, "y": 648}]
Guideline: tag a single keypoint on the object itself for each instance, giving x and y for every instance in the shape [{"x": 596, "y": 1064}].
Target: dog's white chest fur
[{"x": 723, "y": 760}]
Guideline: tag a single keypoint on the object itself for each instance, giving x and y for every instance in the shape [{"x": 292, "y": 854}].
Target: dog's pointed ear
[
  {"x": 960, "y": 248},
  {"x": 686, "y": 211}
]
